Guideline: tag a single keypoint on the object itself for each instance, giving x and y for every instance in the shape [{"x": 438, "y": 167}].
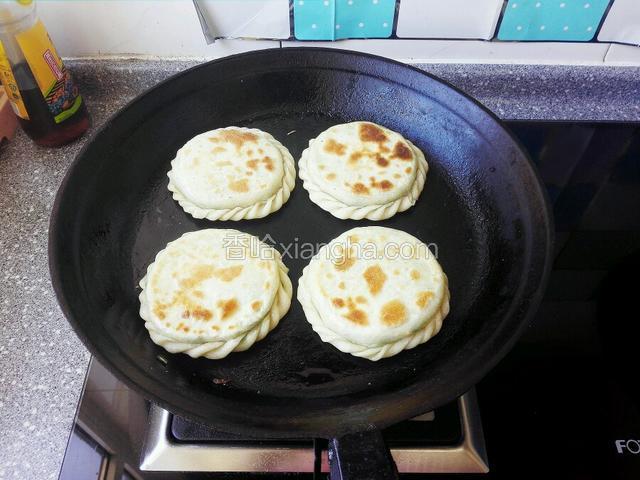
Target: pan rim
[{"x": 398, "y": 410}]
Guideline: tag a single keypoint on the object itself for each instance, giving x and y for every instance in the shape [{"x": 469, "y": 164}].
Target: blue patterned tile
[
  {"x": 560, "y": 20},
  {"x": 364, "y": 18},
  {"x": 338, "y": 19},
  {"x": 314, "y": 19}
]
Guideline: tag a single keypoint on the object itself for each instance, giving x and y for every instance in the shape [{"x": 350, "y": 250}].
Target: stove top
[
  {"x": 447, "y": 440},
  {"x": 565, "y": 400}
]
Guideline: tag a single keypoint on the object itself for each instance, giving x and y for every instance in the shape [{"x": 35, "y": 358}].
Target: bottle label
[
  {"x": 11, "y": 87},
  {"x": 54, "y": 80}
]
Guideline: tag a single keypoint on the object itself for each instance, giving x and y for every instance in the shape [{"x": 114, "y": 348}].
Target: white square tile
[
  {"x": 622, "y": 23},
  {"x": 448, "y": 18},
  {"x": 247, "y": 18},
  {"x": 128, "y": 27},
  {"x": 122, "y": 27}
]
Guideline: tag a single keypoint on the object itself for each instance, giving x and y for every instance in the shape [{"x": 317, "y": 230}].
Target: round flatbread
[
  {"x": 363, "y": 170},
  {"x": 374, "y": 291},
  {"x": 232, "y": 173},
  {"x": 214, "y": 291}
]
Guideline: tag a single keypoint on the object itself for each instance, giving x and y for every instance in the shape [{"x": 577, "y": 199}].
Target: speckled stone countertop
[{"x": 43, "y": 364}]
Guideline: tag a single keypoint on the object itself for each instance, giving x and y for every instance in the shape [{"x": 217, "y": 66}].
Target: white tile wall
[
  {"x": 622, "y": 24},
  {"x": 170, "y": 28},
  {"x": 138, "y": 27},
  {"x": 448, "y": 18},
  {"x": 98, "y": 27}
]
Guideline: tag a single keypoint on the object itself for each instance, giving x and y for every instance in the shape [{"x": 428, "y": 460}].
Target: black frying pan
[{"x": 483, "y": 205}]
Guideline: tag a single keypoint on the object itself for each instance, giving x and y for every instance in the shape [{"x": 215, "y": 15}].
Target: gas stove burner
[{"x": 447, "y": 440}]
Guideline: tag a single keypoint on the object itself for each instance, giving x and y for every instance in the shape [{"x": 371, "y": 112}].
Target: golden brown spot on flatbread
[
  {"x": 334, "y": 147},
  {"x": 343, "y": 261},
  {"x": 240, "y": 186},
  {"x": 215, "y": 327},
  {"x": 397, "y": 175},
  {"x": 355, "y": 156},
  {"x": 396, "y": 272},
  {"x": 215, "y": 150},
  {"x": 372, "y": 133},
  {"x": 361, "y": 299},
  {"x": 267, "y": 284},
  {"x": 321, "y": 167},
  {"x": 235, "y": 137},
  {"x": 229, "y": 273},
  {"x": 229, "y": 307},
  {"x": 357, "y": 316},
  {"x": 224, "y": 163},
  {"x": 331, "y": 177},
  {"x": 380, "y": 160},
  {"x": 401, "y": 151},
  {"x": 383, "y": 185},
  {"x": 341, "y": 286},
  {"x": 329, "y": 276},
  {"x": 268, "y": 163},
  {"x": 250, "y": 151},
  {"x": 375, "y": 278},
  {"x": 394, "y": 313},
  {"x": 183, "y": 298},
  {"x": 423, "y": 299},
  {"x": 337, "y": 302},
  {"x": 408, "y": 169},
  {"x": 415, "y": 274},
  {"x": 202, "y": 314},
  {"x": 199, "y": 274},
  {"x": 360, "y": 189},
  {"x": 256, "y": 305},
  {"x": 205, "y": 272},
  {"x": 197, "y": 312}
]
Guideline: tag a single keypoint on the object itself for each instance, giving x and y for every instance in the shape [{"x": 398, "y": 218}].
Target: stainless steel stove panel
[{"x": 162, "y": 453}]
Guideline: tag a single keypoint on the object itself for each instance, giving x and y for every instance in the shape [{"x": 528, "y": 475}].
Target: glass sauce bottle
[{"x": 47, "y": 102}]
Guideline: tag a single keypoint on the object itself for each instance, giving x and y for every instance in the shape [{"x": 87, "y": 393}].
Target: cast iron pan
[{"x": 483, "y": 206}]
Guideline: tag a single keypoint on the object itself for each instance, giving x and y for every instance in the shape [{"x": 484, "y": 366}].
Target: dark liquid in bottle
[{"x": 41, "y": 126}]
